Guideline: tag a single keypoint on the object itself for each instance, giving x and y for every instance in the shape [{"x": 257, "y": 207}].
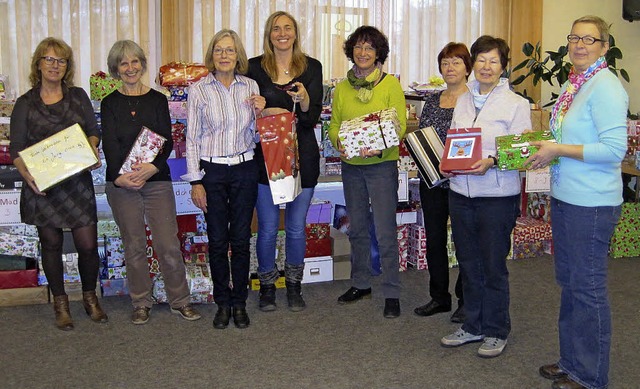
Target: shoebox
[
  {"x": 339, "y": 243},
  {"x": 403, "y": 246},
  {"x": 317, "y": 230},
  {"x": 12, "y": 262},
  {"x": 114, "y": 252},
  {"x": 254, "y": 281},
  {"x": 318, "y": 247},
  {"x": 342, "y": 267},
  {"x": 12, "y": 279},
  {"x": 20, "y": 229},
  {"x": 318, "y": 269},
  {"x": 26, "y": 246},
  {"x": 319, "y": 213},
  {"x": 112, "y": 273},
  {"x": 24, "y": 296},
  {"x": 115, "y": 287}
]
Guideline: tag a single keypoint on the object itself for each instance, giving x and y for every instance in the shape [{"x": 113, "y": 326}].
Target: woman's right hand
[
  {"x": 199, "y": 197},
  {"x": 128, "y": 182},
  {"x": 26, "y": 176}
]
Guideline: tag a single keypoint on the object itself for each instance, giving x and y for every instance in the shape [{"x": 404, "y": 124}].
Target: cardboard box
[
  {"x": 375, "y": 131},
  {"x": 513, "y": 150},
  {"x": 342, "y": 267},
  {"x": 340, "y": 243},
  {"x": 318, "y": 269},
  {"x": 24, "y": 296},
  {"x": 255, "y": 282},
  {"x": 59, "y": 157}
]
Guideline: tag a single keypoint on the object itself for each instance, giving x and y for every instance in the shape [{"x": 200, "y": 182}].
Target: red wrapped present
[
  {"x": 317, "y": 231},
  {"x": 462, "y": 149},
  {"x": 11, "y": 279},
  {"x": 318, "y": 247},
  {"x": 181, "y": 73}
]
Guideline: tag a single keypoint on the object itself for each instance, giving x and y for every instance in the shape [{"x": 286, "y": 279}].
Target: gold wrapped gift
[{"x": 59, "y": 157}]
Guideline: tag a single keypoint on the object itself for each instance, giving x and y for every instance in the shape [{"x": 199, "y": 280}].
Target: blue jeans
[
  {"x": 379, "y": 184},
  {"x": 581, "y": 242},
  {"x": 295, "y": 220},
  {"x": 231, "y": 196},
  {"x": 481, "y": 229}
]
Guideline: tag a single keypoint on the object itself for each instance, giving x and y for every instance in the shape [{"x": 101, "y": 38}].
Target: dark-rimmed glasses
[
  {"x": 587, "y": 39},
  {"x": 51, "y": 60}
]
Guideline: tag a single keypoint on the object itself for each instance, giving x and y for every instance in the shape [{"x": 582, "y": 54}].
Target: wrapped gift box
[
  {"x": 375, "y": 131},
  {"x": 178, "y": 130},
  {"x": 179, "y": 150},
  {"x": 145, "y": 149},
  {"x": 113, "y": 273},
  {"x": 101, "y": 85},
  {"x": 108, "y": 228},
  {"x": 114, "y": 250},
  {"x": 5, "y": 157},
  {"x": 27, "y": 246},
  {"x": 625, "y": 241},
  {"x": 538, "y": 206},
  {"x": 178, "y": 109},
  {"x": 462, "y": 148},
  {"x": 20, "y": 229},
  {"x": 529, "y": 237},
  {"x": 24, "y": 296},
  {"x": 178, "y": 93},
  {"x": 524, "y": 250},
  {"x": 318, "y": 247},
  {"x": 513, "y": 150},
  {"x": 115, "y": 287},
  {"x": 159, "y": 293},
  {"x": 70, "y": 265},
  {"x": 319, "y": 213},
  {"x": 317, "y": 231},
  {"x": 11, "y": 279},
  {"x": 10, "y": 178},
  {"x": 196, "y": 258},
  {"x": 58, "y": 157},
  {"x": 13, "y": 262},
  {"x": 181, "y": 73}
]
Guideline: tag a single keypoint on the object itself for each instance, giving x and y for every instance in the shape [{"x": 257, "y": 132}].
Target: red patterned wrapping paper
[
  {"x": 181, "y": 73},
  {"x": 147, "y": 146}
]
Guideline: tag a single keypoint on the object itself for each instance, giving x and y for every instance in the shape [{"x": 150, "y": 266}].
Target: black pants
[{"x": 435, "y": 207}]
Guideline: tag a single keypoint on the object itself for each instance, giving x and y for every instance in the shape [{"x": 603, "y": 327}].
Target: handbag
[
  {"x": 426, "y": 149},
  {"x": 280, "y": 149}
]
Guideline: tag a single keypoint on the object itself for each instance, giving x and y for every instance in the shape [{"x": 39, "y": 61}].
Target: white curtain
[
  {"x": 417, "y": 30},
  {"x": 90, "y": 27}
]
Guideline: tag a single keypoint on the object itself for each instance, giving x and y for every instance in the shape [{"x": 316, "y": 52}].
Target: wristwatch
[{"x": 495, "y": 160}]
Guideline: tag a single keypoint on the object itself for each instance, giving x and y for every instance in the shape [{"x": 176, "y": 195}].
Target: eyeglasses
[
  {"x": 366, "y": 49},
  {"x": 587, "y": 39},
  {"x": 50, "y": 60},
  {"x": 228, "y": 51}
]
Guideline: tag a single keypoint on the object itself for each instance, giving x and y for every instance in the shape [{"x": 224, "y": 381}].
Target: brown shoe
[
  {"x": 552, "y": 371},
  {"x": 92, "y": 307},
  {"x": 140, "y": 315},
  {"x": 566, "y": 383},
  {"x": 61, "y": 309},
  {"x": 188, "y": 312}
]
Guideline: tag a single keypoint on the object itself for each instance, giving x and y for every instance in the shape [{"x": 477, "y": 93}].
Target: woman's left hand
[
  {"x": 143, "y": 171},
  {"x": 480, "y": 167},
  {"x": 258, "y": 102},
  {"x": 300, "y": 96}
]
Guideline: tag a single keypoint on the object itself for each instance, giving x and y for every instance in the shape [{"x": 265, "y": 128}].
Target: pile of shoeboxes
[
  {"x": 531, "y": 236},
  {"x": 19, "y": 253},
  {"x": 633, "y": 142},
  {"x": 626, "y": 237}
]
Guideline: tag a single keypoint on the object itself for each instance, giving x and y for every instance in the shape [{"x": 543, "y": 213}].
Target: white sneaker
[
  {"x": 492, "y": 347},
  {"x": 459, "y": 338}
]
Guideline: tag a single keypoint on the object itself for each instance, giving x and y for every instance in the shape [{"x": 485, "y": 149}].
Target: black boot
[
  {"x": 293, "y": 277},
  {"x": 294, "y": 296},
  {"x": 267, "y": 302}
]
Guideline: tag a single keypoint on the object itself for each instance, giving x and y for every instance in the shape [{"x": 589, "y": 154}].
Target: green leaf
[
  {"x": 527, "y": 49},
  {"x": 520, "y": 65},
  {"x": 625, "y": 75},
  {"x": 614, "y": 52},
  {"x": 518, "y": 80}
]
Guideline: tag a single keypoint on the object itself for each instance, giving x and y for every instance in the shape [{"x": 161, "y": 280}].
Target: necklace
[{"x": 133, "y": 105}]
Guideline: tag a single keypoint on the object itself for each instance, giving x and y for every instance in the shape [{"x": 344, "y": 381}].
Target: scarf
[
  {"x": 364, "y": 82},
  {"x": 576, "y": 80}
]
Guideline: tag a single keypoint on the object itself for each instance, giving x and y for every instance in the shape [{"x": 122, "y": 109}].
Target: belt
[{"x": 231, "y": 160}]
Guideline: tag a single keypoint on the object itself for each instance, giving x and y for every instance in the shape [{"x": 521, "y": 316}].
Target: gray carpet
[{"x": 325, "y": 346}]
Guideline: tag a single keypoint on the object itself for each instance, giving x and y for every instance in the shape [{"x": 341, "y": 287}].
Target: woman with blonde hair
[{"x": 286, "y": 76}]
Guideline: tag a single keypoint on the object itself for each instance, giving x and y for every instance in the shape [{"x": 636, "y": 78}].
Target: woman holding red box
[{"x": 286, "y": 76}]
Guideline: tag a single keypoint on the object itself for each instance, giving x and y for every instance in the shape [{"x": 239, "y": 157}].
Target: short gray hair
[
  {"x": 121, "y": 49},
  {"x": 601, "y": 25}
]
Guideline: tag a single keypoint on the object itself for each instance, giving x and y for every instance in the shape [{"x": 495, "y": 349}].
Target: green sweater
[{"x": 388, "y": 93}]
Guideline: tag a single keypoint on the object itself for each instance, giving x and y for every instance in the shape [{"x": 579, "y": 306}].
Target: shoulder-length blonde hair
[
  {"x": 62, "y": 49},
  {"x": 298, "y": 60},
  {"x": 242, "y": 64}
]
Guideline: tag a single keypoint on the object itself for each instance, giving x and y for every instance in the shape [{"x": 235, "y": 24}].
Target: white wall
[{"x": 556, "y": 24}]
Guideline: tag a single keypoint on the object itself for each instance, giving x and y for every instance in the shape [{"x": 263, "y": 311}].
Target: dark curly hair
[
  {"x": 486, "y": 43},
  {"x": 369, "y": 35}
]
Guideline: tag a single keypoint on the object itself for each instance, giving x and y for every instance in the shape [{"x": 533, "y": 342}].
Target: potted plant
[{"x": 554, "y": 67}]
